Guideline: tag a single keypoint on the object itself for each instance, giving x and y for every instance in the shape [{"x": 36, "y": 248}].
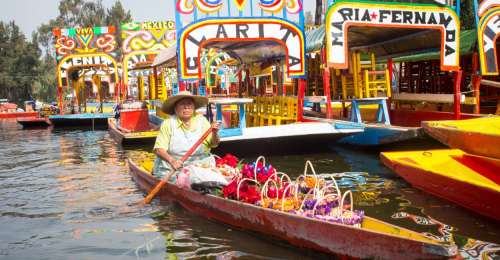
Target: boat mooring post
[
  {"x": 326, "y": 85},
  {"x": 300, "y": 101},
  {"x": 457, "y": 81}
]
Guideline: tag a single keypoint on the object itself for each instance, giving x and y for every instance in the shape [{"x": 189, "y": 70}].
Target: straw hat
[{"x": 169, "y": 105}]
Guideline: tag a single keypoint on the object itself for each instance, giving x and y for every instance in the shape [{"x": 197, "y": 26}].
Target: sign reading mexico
[
  {"x": 142, "y": 41},
  {"x": 344, "y": 14},
  {"x": 147, "y": 36},
  {"x": 195, "y": 36}
]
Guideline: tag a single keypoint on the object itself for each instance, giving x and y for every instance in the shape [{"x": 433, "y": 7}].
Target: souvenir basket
[
  {"x": 339, "y": 214},
  {"x": 278, "y": 192},
  {"x": 307, "y": 182},
  {"x": 324, "y": 199}
]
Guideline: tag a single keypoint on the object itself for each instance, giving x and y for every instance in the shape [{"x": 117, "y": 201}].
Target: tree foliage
[
  {"x": 73, "y": 13},
  {"x": 19, "y": 63}
]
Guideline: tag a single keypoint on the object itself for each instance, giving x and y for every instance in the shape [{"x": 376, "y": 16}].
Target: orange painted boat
[
  {"x": 373, "y": 239},
  {"x": 479, "y": 136},
  {"x": 18, "y": 114},
  {"x": 126, "y": 137},
  {"x": 471, "y": 181}
]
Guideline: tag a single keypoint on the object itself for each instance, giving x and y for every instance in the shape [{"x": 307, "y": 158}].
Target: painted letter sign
[
  {"x": 487, "y": 33},
  {"x": 344, "y": 14},
  {"x": 195, "y": 36}
]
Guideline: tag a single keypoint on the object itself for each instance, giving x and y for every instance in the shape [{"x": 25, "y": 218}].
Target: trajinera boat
[
  {"x": 471, "y": 181},
  {"x": 29, "y": 122},
  {"x": 125, "y": 136},
  {"x": 479, "y": 136},
  {"x": 373, "y": 239}
]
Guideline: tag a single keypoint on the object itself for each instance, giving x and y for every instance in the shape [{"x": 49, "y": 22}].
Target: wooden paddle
[{"x": 164, "y": 181}]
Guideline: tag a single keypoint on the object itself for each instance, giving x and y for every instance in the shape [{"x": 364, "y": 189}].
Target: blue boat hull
[{"x": 375, "y": 135}]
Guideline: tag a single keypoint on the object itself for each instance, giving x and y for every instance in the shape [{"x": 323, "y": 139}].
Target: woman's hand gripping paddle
[{"x": 163, "y": 181}]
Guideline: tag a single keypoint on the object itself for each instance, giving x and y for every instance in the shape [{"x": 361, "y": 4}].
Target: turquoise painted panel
[{"x": 82, "y": 116}]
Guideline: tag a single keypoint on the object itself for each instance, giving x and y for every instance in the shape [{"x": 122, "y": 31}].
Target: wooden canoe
[
  {"x": 122, "y": 136},
  {"x": 479, "y": 136},
  {"x": 31, "y": 122},
  {"x": 375, "y": 239},
  {"x": 468, "y": 180}
]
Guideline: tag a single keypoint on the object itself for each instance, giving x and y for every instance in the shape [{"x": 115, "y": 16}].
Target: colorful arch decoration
[
  {"x": 84, "y": 40},
  {"x": 487, "y": 35},
  {"x": 102, "y": 61},
  {"x": 214, "y": 62},
  {"x": 212, "y": 6},
  {"x": 346, "y": 13},
  {"x": 85, "y": 47},
  {"x": 142, "y": 41},
  {"x": 196, "y": 35},
  {"x": 485, "y": 5}
]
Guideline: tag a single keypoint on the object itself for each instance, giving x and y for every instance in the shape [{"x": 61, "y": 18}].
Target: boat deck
[
  {"x": 86, "y": 120},
  {"x": 291, "y": 130}
]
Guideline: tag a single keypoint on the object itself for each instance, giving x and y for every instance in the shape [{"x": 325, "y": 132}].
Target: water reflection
[{"x": 68, "y": 195}]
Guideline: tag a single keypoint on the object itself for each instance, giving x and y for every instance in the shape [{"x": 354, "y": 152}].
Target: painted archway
[
  {"x": 485, "y": 5},
  {"x": 487, "y": 35},
  {"x": 196, "y": 35},
  {"x": 85, "y": 60},
  {"x": 82, "y": 48},
  {"x": 213, "y": 64},
  {"x": 346, "y": 13}
]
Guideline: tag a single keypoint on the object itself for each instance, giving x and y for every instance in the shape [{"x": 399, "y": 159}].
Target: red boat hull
[
  {"x": 18, "y": 114},
  {"x": 470, "y": 142},
  {"x": 481, "y": 200},
  {"x": 298, "y": 231}
]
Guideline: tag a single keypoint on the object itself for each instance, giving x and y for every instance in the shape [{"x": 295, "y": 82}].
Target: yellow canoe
[
  {"x": 469, "y": 180},
  {"x": 479, "y": 136}
]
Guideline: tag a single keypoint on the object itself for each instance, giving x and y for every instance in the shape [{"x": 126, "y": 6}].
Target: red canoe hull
[
  {"x": 470, "y": 142},
  {"x": 18, "y": 114},
  {"x": 481, "y": 200},
  {"x": 298, "y": 231}
]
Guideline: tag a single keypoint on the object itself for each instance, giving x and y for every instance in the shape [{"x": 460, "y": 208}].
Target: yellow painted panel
[
  {"x": 381, "y": 227},
  {"x": 485, "y": 125},
  {"x": 440, "y": 162}
]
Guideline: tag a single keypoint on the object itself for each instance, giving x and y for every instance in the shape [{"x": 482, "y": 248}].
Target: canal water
[{"x": 68, "y": 195}]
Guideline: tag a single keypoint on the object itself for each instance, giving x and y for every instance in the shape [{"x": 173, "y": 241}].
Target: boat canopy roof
[
  {"x": 250, "y": 51},
  {"x": 167, "y": 57},
  {"x": 384, "y": 42},
  {"x": 315, "y": 39},
  {"x": 468, "y": 41}
]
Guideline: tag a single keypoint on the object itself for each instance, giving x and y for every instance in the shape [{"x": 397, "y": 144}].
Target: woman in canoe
[{"x": 180, "y": 131}]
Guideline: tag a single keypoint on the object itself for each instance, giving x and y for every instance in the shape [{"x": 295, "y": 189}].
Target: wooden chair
[{"x": 377, "y": 81}]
